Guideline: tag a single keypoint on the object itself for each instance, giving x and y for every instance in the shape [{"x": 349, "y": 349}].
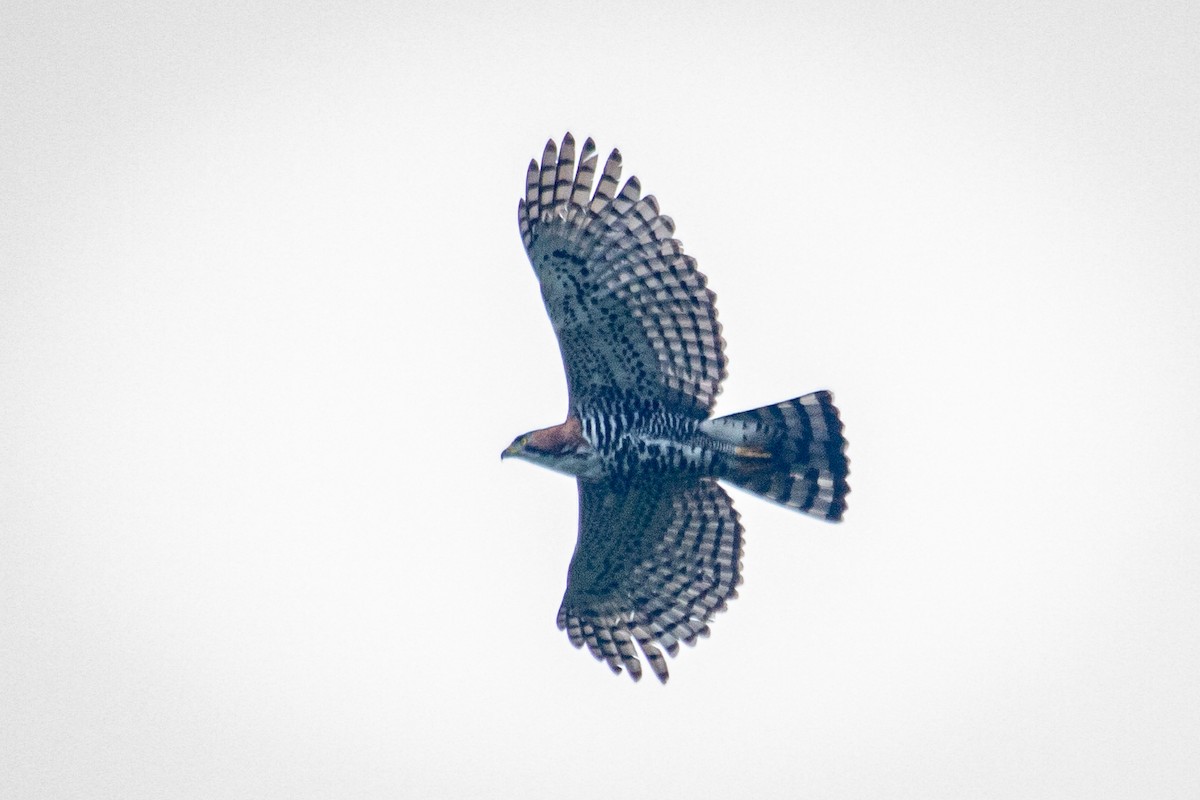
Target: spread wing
[
  {"x": 652, "y": 565},
  {"x": 630, "y": 310}
]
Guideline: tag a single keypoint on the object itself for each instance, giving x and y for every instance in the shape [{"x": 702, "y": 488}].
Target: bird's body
[
  {"x": 627, "y": 442},
  {"x": 659, "y": 549}
]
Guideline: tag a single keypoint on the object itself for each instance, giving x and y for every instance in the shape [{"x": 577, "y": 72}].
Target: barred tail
[{"x": 791, "y": 453}]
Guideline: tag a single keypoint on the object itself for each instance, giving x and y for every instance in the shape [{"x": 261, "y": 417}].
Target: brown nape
[{"x": 558, "y": 438}]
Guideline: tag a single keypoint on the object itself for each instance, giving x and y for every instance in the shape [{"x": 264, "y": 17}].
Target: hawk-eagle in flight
[{"x": 659, "y": 548}]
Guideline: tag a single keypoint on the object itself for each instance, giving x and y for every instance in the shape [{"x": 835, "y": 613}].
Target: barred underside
[
  {"x": 630, "y": 309},
  {"x": 793, "y": 453},
  {"x": 652, "y": 565}
]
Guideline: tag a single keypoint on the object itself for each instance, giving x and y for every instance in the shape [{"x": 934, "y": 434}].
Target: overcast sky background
[{"x": 266, "y": 325}]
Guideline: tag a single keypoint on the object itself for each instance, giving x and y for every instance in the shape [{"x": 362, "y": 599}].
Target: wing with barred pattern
[
  {"x": 630, "y": 310},
  {"x": 653, "y": 564}
]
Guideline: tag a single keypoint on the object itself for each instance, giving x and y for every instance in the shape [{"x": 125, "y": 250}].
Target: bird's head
[{"x": 561, "y": 448}]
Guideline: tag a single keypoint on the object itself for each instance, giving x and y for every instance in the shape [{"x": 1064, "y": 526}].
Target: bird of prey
[{"x": 660, "y": 545}]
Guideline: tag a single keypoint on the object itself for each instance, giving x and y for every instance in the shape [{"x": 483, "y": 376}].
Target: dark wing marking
[
  {"x": 630, "y": 310},
  {"x": 652, "y": 565}
]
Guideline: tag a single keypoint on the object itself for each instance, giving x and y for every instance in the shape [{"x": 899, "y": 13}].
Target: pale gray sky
[{"x": 266, "y": 324}]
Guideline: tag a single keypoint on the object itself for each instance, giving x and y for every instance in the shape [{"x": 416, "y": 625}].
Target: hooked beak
[{"x": 511, "y": 450}]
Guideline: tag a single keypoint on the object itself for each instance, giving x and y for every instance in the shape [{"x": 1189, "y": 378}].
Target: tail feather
[{"x": 791, "y": 453}]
